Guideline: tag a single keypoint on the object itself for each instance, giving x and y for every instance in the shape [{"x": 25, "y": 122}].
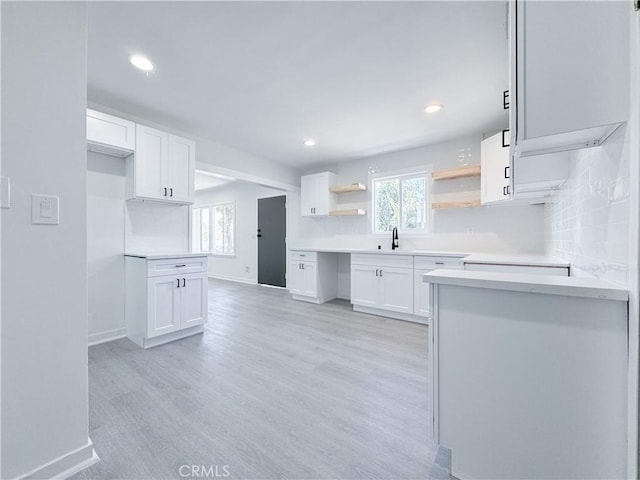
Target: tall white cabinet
[{"x": 166, "y": 297}]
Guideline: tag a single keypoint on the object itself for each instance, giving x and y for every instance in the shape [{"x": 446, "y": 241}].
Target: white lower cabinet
[
  {"x": 383, "y": 282},
  {"x": 312, "y": 276},
  {"x": 423, "y": 265},
  {"x": 164, "y": 304}
]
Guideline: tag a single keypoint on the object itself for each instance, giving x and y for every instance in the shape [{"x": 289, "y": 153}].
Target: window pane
[
  {"x": 218, "y": 236},
  {"x": 229, "y": 226},
  {"x": 387, "y": 204},
  {"x": 195, "y": 230},
  {"x": 205, "y": 236},
  {"x": 413, "y": 203}
]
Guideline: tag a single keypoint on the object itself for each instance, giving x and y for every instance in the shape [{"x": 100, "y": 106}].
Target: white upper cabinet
[
  {"x": 110, "y": 135},
  {"x": 495, "y": 170},
  {"x": 315, "y": 198},
  {"x": 569, "y": 74},
  {"x": 163, "y": 167}
]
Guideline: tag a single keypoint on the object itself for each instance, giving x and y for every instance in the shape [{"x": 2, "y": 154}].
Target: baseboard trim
[
  {"x": 234, "y": 279},
  {"x": 103, "y": 337},
  {"x": 65, "y": 466},
  {"x": 389, "y": 314}
]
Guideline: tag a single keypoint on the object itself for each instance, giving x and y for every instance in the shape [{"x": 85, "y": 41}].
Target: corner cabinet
[
  {"x": 568, "y": 86},
  {"x": 166, "y": 298},
  {"x": 382, "y": 282},
  {"x": 162, "y": 169},
  {"x": 316, "y": 199}
]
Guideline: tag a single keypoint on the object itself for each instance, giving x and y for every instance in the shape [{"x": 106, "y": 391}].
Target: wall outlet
[
  {"x": 247, "y": 269},
  {"x": 471, "y": 232}
]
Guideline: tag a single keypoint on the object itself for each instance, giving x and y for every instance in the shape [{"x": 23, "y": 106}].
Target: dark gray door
[{"x": 272, "y": 230}]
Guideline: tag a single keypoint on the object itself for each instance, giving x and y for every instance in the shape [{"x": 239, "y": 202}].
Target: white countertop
[
  {"x": 530, "y": 283},
  {"x": 515, "y": 259},
  {"x": 160, "y": 256},
  {"x": 384, "y": 251}
]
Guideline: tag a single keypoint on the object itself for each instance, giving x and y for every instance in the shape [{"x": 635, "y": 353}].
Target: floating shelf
[
  {"x": 353, "y": 187},
  {"x": 347, "y": 213},
  {"x": 459, "y": 172},
  {"x": 456, "y": 204}
]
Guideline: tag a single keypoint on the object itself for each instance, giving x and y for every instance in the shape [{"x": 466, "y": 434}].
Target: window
[
  {"x": 213, "y": 229},
  {"x": 400, "y": 201}
]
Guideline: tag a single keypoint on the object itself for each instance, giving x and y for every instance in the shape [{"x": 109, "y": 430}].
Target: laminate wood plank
[{"x": 274, "y": 388}]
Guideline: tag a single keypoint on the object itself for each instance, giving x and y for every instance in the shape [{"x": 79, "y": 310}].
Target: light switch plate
[
  {"x": 5, "y": 192},
  {"x": 45, "y": 209}
]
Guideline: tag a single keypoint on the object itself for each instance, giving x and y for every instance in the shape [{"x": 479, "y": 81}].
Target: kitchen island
[{"x": 529, "y": 374}]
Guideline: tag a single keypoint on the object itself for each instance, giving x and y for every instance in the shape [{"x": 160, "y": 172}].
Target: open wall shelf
[
  {"x": 352, "y": 187},
  {"x": 459, "y": 172},
  {"x": 346, "y": 213},
  {"x": 456, "y": 204}
]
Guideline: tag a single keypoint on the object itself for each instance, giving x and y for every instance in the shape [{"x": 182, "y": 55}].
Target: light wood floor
[{"x": 274, "y": 388}]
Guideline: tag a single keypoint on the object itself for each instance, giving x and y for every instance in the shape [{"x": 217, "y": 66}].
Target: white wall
[
  {"x": 588, "y": 223},
  {"x": 495, "y": 229},
  {"x": 105, "y": 245},
  {"x": 156, "y": 228},
  {"x": 245, "y": 196},
  {"x": 44, "y": 268}
]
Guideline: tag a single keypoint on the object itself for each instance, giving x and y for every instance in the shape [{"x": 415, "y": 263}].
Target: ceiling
[{"x": 264, "y": 76}]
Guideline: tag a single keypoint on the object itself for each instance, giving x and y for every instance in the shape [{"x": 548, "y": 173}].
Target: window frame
[
  {"x": 212, "y": 208},
  {"x": 425, "y": 172}
]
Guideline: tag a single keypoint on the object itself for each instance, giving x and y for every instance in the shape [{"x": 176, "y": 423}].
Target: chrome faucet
[{"x": 394, "y": 239}]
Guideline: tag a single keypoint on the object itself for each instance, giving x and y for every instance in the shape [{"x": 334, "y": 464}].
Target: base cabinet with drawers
[
  {"x": 312, "y": 276},
  {"x": 383, "y": 282},
  {"x": 166, "y": 298},
  {"x": 422, "y": 265}
]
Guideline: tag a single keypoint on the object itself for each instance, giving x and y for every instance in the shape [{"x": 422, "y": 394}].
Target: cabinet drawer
[
  {"x": 177, "y": 266},
  {"x": 382, "y": 260},
  {"x": 303, "y": 255},
  {"x": 433, "y": 263}
]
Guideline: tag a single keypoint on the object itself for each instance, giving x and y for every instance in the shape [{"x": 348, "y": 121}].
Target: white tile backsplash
[
  {"x": 588, "y": 220},
  {"x": 156, "y": 228}
]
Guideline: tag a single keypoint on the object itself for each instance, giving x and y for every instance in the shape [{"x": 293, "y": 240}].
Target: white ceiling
[{"x": 263, "y": 76}]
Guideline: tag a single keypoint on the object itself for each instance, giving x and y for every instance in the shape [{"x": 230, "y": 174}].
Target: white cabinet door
[
  {"x": 307, "y": 195},
  {"x": 420, "y": 294},
  {"x": 107, "y": 130},
  {"x": 152, "y": 153},
  {"x": 365, "y": 285},
  {"x": 180, "y": 169},
  {"x": 294, "y": 277},
  {"x": 309, "y": 279},
  {"x": 494, "y": 170},
  {"x": 396, "y": 289},
  {"x": 586, "y": 95},
  {"x": 163, "y": 305},
  {"x": 194, "y": 300}
]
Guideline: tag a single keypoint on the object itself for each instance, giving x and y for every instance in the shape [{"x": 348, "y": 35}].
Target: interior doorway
[{"x": 272, "y": 232}]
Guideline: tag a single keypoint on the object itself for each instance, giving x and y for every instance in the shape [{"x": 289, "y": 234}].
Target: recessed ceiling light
[
  {"x": 310, "y": 142},
  {"x": 141, "y": 62},
  {"x": 433, "y": 108}
]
